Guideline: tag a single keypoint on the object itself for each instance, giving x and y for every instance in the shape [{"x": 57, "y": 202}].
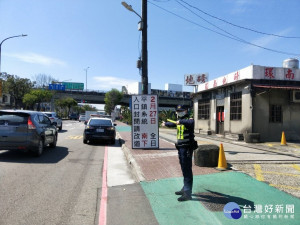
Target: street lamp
[
  {"x": 144, "y": 43},
  {"x": 86, "y": 69},
  {"x": 22, "y": 35}
]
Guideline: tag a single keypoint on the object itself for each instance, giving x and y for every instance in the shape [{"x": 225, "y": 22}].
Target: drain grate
[{"x": 212, "y": 201}]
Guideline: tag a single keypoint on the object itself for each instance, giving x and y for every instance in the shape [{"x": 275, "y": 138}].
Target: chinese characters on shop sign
[
  {"x": 270, "y": 73},
  {"x": 144, "y": 132},
  {"x": 195, "y": 79}
]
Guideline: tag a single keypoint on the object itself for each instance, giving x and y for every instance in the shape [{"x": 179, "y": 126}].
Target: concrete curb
[{"x": 139, "y": 176}]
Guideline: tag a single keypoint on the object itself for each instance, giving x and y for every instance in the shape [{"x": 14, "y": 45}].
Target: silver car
[{"x": 54, "y": 118}]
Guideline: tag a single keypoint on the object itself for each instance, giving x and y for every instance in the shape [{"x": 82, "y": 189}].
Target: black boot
[
  {"x": 184, "y": 197},
  {"x": 179, "y": 192}
]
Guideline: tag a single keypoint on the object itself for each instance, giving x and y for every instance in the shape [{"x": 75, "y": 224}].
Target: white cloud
[
  {"x": 108, "y": 82},
  {"x": 240, "y": 6},
  {"x": 36, "y": 59},
  {"x": 265, "y": 41}
]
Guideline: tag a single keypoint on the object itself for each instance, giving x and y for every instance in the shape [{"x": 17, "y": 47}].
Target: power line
[
  {"x": 209, "y": 22},
  {"x": 242, "y": 27},
  {"x": 230, "y": 37}
]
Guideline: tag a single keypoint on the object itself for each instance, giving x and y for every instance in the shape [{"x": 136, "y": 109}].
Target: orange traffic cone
[
  {"x": 283, "y": 140},
  {"x": 222, "y": 164}
]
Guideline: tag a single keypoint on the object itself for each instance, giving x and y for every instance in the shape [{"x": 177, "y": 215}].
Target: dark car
[
  {"x": 28, "y": 131},
  {"x": 73, "y": 116},
  {"x": 97, "y": 129}
]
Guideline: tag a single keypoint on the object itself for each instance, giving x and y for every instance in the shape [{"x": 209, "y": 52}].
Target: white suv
[{"x": 54, "y": 118}]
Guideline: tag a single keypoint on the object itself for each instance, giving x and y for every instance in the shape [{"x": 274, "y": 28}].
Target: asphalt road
[
  {"x": 64, "y": 185},
  {"x": 60, "y": 187}
]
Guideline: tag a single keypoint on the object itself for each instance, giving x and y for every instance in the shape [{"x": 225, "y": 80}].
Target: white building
[
  {"x": 136, "y": 88},
  {"x": 173, "y": 87},
  {"x": 256, "y": 100}
]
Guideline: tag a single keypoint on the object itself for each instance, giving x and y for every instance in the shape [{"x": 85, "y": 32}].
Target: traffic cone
[
  {"x": 222, "y": 164},
  {"x": 283, "y": 140}
]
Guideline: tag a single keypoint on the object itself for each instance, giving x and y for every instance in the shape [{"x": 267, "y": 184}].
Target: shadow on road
[
  {"x": 62, "y": 131},
  {"x": 216, "y": 201},
  {"x": 49, "y": 155}
]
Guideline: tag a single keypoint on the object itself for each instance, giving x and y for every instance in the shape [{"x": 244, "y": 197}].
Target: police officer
[{"x": 185, "y": 146}]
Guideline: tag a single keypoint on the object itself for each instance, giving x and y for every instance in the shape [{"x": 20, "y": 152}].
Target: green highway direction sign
[{"x": 73, "y": 86}]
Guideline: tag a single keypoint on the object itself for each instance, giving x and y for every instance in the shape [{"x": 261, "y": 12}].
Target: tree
[
  {"x": 167, "y": 114},
  {"x": 17, "y": 87},
  {"x": 111, "y": 99},
  {"x": 37, "y": 96},
  {"x": 29, "y": 100},
  {"x": 82, "y": 108},
  {"x": 43, "y": 80},
  {"x": 126, "y": 115},
  {"x": 66, "y": 104},
  {"x": 89, "y": 108}
]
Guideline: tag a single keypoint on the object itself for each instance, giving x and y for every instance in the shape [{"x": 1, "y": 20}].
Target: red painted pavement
[{"x": 160, "y": 163}]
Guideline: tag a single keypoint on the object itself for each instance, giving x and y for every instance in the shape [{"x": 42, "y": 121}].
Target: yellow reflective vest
[{"x": 182, "y": 134}]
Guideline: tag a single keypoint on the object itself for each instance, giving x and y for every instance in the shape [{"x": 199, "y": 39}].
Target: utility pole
[
  {"x": 86, "y": 69},
  {"x": 144, "y": 48},
  {"x": 144, "y": 27}
]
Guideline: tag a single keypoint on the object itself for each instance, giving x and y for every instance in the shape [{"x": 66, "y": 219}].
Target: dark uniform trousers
[
  {"x": 185, "y": 160},
  {"x": 185, "y": 139}
]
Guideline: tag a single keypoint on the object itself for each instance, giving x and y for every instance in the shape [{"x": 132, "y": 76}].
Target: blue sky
[{"x": 67, "y": 36}]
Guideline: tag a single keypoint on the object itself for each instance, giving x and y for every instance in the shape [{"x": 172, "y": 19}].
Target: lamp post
[
  {"x": 144, "y": 43},
  {"x": 22, "y": 35},
  {"x": 86, "y": 69}
]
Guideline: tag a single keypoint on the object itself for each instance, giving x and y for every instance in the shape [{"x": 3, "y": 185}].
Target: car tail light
[{"x": 31, "y": 126}]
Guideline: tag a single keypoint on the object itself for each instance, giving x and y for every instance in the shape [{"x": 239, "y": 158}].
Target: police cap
[{"x": 180, "y": 108}]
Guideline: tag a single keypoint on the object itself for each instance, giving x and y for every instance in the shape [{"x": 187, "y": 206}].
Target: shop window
[
  {"x": 275, "y": 114},
  {"x": 203, "y": 109},
  {"x": 236, "y": 106}
]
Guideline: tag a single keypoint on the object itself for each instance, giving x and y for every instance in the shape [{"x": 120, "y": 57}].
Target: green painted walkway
[
  {"x": 123, "y": 128},
  {"x": 212, "y": 192}
]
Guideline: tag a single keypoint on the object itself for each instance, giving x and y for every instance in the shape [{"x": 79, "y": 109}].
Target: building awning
[{"x": 277, "y": 87}]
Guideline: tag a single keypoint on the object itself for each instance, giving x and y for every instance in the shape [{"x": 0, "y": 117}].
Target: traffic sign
[
  {"x": 58, "y": 87},
  {"x": 73, "y": 86}
]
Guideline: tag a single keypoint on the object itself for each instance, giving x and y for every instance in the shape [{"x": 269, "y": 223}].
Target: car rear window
[
  {"x": 100, "y": 122},
  {"x": 13, "y": 119},
  {"x": 49, "y": 114}
]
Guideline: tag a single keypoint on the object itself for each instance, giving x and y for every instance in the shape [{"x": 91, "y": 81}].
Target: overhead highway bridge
[{"x": 94, "y": 97}]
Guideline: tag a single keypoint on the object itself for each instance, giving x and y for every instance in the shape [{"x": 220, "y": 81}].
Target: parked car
[
  {"x": 81, "y": 118},
  {"x": 97, "y": 129},
  {"x": 73, "y": 116},
  {"x": 54, "y": 118},
  {"x": 26, "y": 131}
]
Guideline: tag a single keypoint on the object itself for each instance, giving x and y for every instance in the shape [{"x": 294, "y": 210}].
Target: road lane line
[
  {"x": 74, "y": 137},
  {"x": 285, "y": 186},
  {"x": 271, "y": 172},
  {"x": 296, "y": 167},
  {"x": 283, "y": 174},
  {"x": 258, "y": 172},
  {"x": 103, "y": 204}
]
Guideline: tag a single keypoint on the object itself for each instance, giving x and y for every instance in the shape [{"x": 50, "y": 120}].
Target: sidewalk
[
  {"x": 160, "y": 176},
  {"x": 154, "y": 164}
]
